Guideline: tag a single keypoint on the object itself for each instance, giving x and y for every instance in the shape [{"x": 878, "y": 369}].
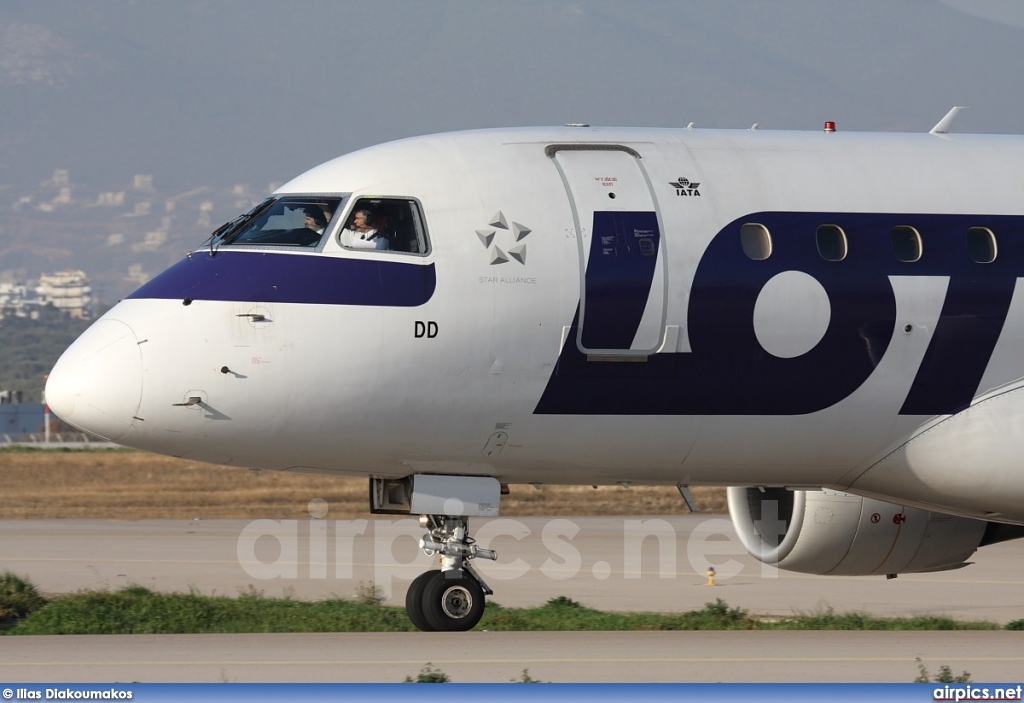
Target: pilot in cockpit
[
  {"x": 315, "y": 218},
  {"x": 360, "y": 233}
]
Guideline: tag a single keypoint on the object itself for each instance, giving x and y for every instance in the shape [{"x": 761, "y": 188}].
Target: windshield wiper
[{"x": 222, "y": 233}]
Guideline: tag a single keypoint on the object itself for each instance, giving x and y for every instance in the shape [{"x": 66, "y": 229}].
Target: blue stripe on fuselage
[
  {"x": 729, "y": 373},
  {"x": 270, "y": 277}
]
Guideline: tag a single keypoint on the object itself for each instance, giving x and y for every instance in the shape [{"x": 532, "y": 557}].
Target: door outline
[{"x": 552, "y": 151}]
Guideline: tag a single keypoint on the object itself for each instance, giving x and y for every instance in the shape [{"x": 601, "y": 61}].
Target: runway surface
[
  {"x": 656, "y": 564},
  {"x": 497, "y": 657}
]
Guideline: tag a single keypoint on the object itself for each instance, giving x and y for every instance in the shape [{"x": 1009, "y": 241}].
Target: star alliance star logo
[{"x": 489, "y": 237}]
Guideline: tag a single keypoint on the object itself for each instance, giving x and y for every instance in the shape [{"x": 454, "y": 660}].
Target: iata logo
[
  {"x": 498, "y": 252},
  {"x": 684, "y": 187}
]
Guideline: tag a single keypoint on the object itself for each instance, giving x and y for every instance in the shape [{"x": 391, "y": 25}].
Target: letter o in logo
[{"x": 791, "y": 314}]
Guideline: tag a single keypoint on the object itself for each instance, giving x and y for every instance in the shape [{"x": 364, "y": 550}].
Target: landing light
[{"x": 830, "y": 126}]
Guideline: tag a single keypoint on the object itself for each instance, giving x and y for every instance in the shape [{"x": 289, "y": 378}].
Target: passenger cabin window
[
  {"x": 287, "y": 221},
  {"x": 981, "y": 245},
  {"x": 906, "y": 243},
  {"x": 385, "y": 224},
  {"x": 756, "y": 241},
  {"x": 831, "y": 240}
]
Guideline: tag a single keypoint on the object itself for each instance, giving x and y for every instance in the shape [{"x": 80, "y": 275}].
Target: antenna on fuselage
[
  {"x": 943, "y": 126},
  {"x": 687, "y": 496}
]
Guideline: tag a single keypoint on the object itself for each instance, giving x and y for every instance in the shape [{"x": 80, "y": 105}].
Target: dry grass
[{"x": 121, "y": 485}]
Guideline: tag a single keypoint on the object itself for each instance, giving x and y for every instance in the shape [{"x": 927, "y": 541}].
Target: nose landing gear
[{"x": 452, "y": 599}]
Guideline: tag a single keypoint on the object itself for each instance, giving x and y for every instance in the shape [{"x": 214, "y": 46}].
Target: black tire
[
  {"x": 452, "y": 603},
  {"x": 414, "y": 600}
]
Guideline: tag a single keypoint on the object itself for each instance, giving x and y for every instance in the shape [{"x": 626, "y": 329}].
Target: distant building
[
  {"x": 111, "y": 198},
  {"x": 10, "y": 397},
  {"x": 68, "y": 291},
  {"x": 205, "y": 208},
  {"x": 151, "y": 242},
  {"x": 18, "y": 300},
  {"x": 137, "y": 275}
]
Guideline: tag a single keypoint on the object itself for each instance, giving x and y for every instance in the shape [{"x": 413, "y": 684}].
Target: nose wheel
[
  {"x": 452, "y": 599},
  {"x": 444, "y": 601}
]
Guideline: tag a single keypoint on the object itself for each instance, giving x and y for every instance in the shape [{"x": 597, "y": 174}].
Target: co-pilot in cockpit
[{"x": 282, "y": 221}]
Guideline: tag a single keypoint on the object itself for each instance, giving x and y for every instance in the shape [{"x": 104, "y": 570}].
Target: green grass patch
[
  {"x": 565, "y": 614},
  {"x": 138, "y": 610},
  {"x": 429, "y": 674},
  {"x": 18, "y": 598},
  {"x": 829, "y": 620}
]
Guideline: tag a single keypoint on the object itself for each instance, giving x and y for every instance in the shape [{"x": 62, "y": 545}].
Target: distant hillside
[
  {"x": 259, "y": 91},
  {"x": 30, "y": 348}
]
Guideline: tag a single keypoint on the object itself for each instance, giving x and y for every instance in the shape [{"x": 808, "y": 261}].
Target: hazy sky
[{"x": 227, "y": 91}]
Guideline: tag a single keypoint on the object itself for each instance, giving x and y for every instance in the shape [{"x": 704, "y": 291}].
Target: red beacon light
[{"x": 830, "y": 126}]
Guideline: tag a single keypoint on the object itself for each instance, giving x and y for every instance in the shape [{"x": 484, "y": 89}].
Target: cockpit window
[
  {"x": 385, "y": 224},
  {"x": 288, "y": 221}
]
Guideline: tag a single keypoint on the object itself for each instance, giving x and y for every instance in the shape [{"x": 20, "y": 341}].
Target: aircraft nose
[{"x": 96, "y": 385}]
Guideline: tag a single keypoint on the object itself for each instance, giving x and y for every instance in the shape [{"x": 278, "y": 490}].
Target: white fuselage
[{"x": 599, "y": 306}]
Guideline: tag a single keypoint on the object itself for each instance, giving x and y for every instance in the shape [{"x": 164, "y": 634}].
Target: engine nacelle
[{"x": 829, "y": 532}]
